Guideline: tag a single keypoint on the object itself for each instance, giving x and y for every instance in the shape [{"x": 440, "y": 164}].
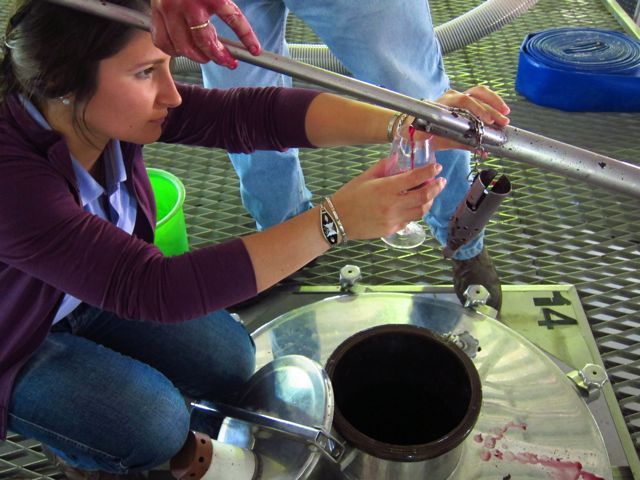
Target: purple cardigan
[{"x": 49, "y": 245}]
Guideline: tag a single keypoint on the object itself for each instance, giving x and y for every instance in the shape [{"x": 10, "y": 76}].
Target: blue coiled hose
[{"x": 580, "y": 69}]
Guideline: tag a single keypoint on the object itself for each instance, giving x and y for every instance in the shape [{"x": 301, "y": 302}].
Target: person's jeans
[
  {"x": 386, "y": 43},
  {"x": 109, "y": 394}
]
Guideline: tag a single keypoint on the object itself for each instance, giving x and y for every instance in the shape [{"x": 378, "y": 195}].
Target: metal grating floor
[
  {"x": 551, "y": 230},
  {"x": 629, "y": 6}
]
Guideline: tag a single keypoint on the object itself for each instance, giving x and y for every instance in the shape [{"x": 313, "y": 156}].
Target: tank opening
[{"x": 401, "y": 388}]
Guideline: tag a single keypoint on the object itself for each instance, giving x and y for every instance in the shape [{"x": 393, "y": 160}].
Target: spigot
[{"x": 474, "y": 211}]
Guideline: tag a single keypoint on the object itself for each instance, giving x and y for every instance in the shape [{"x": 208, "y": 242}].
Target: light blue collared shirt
[{"x": 121, "y": 206}]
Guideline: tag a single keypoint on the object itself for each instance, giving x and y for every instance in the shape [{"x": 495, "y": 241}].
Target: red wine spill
[{"x": 562, "y": 469}]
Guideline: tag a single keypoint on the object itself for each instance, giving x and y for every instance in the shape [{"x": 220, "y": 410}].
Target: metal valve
[
  {"x": 589, "y": 381},
  {"x": 349, "y": 275},
  {"x": 476, "y": 297},
  {"x": 465, "y": 342}
]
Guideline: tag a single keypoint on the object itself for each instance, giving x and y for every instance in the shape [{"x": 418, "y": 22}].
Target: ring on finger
[{"x": 200, "y": 26}]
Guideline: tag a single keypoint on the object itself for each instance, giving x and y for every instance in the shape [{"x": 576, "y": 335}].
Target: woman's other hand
[
  {"x": 182, "y": 28},
  {"x": 483, "y": 102}
]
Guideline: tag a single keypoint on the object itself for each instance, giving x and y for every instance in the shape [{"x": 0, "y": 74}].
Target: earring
[{"x": 66, "y": 101}]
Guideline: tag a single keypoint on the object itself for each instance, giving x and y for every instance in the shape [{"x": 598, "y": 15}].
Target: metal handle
[{"x": 330, "y": 446}]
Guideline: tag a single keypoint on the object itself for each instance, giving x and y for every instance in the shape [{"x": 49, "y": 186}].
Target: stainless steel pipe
[{"x": 510, "y": 142}]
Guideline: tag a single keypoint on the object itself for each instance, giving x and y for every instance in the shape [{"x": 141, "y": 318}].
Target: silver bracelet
[
  {"x": 336, "y": 219},
  {"x": 392, "y": 125}
]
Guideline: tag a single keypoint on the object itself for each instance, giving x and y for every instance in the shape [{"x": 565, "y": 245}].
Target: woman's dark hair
[{"x": 51, "y": 51}]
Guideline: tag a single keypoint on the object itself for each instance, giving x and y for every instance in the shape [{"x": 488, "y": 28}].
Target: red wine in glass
[{"x": 407, "y": 153}]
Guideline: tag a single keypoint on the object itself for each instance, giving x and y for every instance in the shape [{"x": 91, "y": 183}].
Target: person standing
[{"x": 390, "y": 44}]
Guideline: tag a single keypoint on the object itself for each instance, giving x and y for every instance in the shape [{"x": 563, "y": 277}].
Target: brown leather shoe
[
  {"x": 478, "y": 270},
  {"x": 73, "y": 473}
]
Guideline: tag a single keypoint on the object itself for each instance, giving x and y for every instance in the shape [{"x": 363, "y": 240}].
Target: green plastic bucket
[{"x": 171, "y": 231}]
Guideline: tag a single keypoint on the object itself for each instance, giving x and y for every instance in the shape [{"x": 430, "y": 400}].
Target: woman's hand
[
  {"x": 369, "y": 206},
  {"x": 481, "y": 101},
  {"x": 372, "y": 205},
  {"x": 182, "y": 27}
]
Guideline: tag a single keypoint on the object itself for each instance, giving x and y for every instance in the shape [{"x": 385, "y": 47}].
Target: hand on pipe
[
  {"x": 372, "y": 205},
  {"x": 481, "y": 101},
  {"x": 182, "y": 28}
]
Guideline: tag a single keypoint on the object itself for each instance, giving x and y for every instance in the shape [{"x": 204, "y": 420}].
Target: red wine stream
[{"x": 412, "y": 143}]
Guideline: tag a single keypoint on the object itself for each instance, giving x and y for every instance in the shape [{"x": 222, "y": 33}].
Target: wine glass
[{"x": 408, "y": 152}]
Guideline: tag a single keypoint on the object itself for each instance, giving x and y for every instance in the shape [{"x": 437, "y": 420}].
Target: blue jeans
[
  {"x": 109, "y": 394},
  {"x": 382, "y": 42}
]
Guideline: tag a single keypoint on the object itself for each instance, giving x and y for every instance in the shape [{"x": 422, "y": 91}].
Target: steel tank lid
[{"x": 532, "y": 423}]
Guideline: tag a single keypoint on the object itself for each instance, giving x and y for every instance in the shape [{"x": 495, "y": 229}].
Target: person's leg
[
  {"x": 209, "y": 358},
  {"x": 272, "y": 184},
  {"x": 107, "y": 394},
  {"x": 393, "y": 45},
  {"x": 97, "y": 409}
]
